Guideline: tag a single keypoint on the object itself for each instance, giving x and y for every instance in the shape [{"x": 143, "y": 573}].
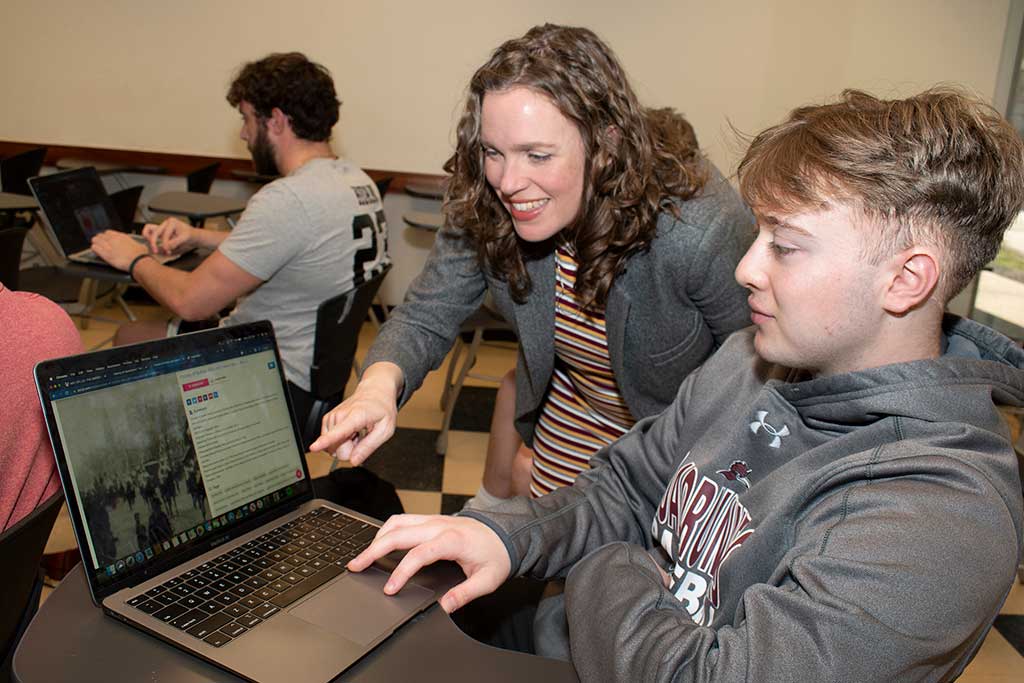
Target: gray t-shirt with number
[{"x": 309, "y": 236}]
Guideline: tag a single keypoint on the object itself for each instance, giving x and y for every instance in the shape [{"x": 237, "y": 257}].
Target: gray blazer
[{"x": 671, "y": 307}]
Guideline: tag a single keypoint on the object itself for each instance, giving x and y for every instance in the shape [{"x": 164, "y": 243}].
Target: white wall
[{"x": 151, "y": 74}]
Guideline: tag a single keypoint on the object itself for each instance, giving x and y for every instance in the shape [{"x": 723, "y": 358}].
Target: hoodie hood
[{"x": 979, "y": 368}]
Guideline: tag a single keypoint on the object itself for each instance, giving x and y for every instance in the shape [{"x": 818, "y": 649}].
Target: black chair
[
  {"x": 17, "y": 169},
  {"x": 334, "y": 348},
  {"x": 126, "y": 203},
  {"x": 201, "y": 179},
  {"x": 21, "y": 578},
  {"x": 11, "y": 241},
  {"x": 382, "y": 188}
]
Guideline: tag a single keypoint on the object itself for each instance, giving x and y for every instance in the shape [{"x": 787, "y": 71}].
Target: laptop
[
  {"x": 193, "y": 509},
  {"x": 75, "y": 208}
]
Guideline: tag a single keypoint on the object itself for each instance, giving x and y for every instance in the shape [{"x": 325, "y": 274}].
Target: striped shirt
[{"x": 583, "y": 410}]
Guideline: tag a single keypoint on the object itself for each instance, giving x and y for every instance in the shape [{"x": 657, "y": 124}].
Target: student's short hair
[
  {"x": 302, "y": 89},
  {"x": 939, "y": 168}
]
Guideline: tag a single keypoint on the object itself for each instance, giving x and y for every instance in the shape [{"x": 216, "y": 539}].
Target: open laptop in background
[
  {"x": 194, "y": 513},
  {"x": 75, "y": 208}
]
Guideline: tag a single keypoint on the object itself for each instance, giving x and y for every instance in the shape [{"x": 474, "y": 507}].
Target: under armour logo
[{"x": 776, "y": 434}]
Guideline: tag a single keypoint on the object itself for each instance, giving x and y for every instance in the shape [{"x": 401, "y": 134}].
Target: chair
[
  {"x": 485, "y": 319},
  {"x": 126, "y": 203},
  {"x": 21, "y": 579},
  {"x": 382, "y": 189},
  {"x": 201, "y": 179},
  {"x": 334, "y": 348},
  {"x": 11, "y": 241},
  {"x": 17, "y": 169}
]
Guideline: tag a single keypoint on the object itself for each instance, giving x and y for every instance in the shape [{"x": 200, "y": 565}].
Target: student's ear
[
  {"x": 277, "y": 121},
  {"x": 913, "y": 279}
]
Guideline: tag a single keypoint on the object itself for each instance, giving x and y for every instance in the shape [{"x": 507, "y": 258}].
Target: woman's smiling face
[{"x": 534, "y": 160}]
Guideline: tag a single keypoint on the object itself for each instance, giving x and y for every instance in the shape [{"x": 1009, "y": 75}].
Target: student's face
[
  {"x": 254, "y": 134},
  {"x": 250, "y": 124},
  {"x": 816, "y": 302},
  {"x": 534, "y": 160}
]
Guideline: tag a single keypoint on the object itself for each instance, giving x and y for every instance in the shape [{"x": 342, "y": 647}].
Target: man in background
[{"x": 316, "y": 232}]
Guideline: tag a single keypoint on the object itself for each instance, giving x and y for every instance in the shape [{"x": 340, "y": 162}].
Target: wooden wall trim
[{"x": 182, "y": 164}]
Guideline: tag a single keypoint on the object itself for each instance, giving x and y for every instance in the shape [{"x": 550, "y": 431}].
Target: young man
[
  {"x": 316, "y": 232},
  {"x": 832, "y": 496}
]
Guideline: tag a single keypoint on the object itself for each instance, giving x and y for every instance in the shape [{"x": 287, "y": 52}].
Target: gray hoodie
[{"x": 858, "y": 527}]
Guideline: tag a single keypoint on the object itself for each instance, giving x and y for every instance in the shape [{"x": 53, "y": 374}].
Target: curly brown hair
[
  {"x": 302, "y": 89},
  {"x": 639, "y": 162},
  {"x": 940, "y": 168}
]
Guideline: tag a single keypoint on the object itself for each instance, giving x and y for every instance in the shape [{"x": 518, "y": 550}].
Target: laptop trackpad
[{"x": 356, "y": 608}]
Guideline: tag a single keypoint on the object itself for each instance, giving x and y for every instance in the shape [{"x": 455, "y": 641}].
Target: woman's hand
[{"x": 366, "y": 419}]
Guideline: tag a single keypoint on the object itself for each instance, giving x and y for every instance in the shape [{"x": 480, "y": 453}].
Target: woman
[{"x": 601, "y": 234}]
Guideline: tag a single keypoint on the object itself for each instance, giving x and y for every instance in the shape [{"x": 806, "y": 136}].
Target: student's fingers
[
  {"x": 176, "y": 237},
  {"x": 151, "y": 231},
  {"x": 158, "y": 240},
  {"x": 478, "y": 584},
  {"x": 394, "y": 535}
]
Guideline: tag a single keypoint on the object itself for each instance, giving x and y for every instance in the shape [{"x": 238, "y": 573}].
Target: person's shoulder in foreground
[{"x": 34, "y": 329}]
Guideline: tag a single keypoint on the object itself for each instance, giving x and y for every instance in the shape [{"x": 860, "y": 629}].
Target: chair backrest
[
  {"x": 201, "y": 179},
  {"x": 337, "y": 335},
  {"x": 126, "y": 203},
  {"x": 11, "y": 241},
  {"x": 15, "y": 170},
  {"x": 21, "y": 548},
  {"x": 382, "y": 186}
]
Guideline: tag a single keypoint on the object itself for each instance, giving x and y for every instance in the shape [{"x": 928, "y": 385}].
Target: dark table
[
  {"x": 195, "y": 206},
  {"x": 423, "y": 220},
  {"x": 253, "y": 177},
  {"x": 71, "y": 640},
  {"x": 425, "y": 190},
  {"x": 93, "y": 273},
  {"x": 107, "y": 167},
  {"x": 12, "y": 203},
  {"x": 105, "y": 273}
]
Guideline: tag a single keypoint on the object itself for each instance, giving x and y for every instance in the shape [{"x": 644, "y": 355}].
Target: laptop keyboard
[{"x": 233, "y": 593}]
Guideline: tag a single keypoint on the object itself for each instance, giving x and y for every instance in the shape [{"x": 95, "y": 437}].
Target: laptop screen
[
  {"x": 166, "y": 447},
  {"x": 76, "y": 206}
]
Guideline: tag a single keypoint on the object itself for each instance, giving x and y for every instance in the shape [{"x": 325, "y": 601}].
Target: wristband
[{"x": 131, "y": 266}]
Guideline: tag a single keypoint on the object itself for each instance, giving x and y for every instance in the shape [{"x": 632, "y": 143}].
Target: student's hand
[
  {"x": 366, "y": 419},
  {"x": 117, "y": 248},
  {"x": 666, "y": 580},
  {"x": 173, "y": 236},
  {"x": 429, "y": 538}
]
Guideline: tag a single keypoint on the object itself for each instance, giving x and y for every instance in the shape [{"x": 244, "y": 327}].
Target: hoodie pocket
[{"x": 691, "y": 325}]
